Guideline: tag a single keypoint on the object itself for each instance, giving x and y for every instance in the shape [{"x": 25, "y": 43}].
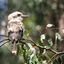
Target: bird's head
[{"x": 17, "y": 16}]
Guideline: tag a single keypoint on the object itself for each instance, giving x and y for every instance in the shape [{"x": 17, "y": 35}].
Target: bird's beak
[{"x": 25, "y": 16}]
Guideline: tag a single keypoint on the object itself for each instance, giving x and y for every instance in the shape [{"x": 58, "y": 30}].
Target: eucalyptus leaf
[
  {"x": 58, "y": 36},
  {"x": 50, "y": 42}
]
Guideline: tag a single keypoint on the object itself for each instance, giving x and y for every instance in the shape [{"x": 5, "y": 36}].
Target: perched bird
[{"x": 15, "y": 28}]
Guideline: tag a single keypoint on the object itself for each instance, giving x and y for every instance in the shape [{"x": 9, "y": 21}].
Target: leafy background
[{"x": 42, "y": 13}]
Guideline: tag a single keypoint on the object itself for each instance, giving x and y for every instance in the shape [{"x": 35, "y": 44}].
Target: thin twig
[
  {"x": 4, "y": 40},
  {"x": 24, "y": 43},
  {"x": 52, "y": 59},
  {"x": 55, "y": 56},
  {"x": 60, "y": 53},
  {"x": 3, "y": 35},
  {"x": 1, "y": 44}
]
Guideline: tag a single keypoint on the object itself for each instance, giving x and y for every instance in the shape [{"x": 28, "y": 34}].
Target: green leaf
[
  {"x": 50, "y": 42},
  {"x": 58, "y": 36}
]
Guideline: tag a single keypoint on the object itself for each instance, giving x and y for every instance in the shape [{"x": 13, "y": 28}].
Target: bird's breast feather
[{"x": 15, "y": 26}]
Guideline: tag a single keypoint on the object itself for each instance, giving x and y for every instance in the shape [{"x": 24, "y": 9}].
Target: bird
[{"x": 15, "y": 28}]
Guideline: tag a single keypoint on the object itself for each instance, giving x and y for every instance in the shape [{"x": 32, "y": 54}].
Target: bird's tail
[{"x": 14, "y": 47}]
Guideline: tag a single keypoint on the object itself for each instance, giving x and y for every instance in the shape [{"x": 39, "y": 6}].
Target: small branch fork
[
  {"x": 55, "y": 56},
  {"x": 51, "y": 50}
]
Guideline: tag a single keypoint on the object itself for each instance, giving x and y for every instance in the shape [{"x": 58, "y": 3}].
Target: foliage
[
  {"x": 42, "y": 39},
  {"x": 41, "y": 52}
]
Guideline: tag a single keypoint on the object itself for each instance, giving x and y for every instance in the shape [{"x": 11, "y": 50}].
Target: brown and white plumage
[{"x": 15, "y": 28}]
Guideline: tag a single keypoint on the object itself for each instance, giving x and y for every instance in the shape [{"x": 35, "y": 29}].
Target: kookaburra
[{"x": 15, "y": 28}]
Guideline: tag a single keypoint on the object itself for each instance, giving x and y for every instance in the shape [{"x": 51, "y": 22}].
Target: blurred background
[{"x": 41, "y": 12}]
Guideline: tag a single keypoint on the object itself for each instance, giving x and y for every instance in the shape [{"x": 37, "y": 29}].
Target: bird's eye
[{"x": 19, "y": 15}]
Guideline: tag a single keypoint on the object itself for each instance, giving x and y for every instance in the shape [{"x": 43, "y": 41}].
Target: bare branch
[
  {"x": 52, "y": 59},
  {"x": 30, "y": 39},
  {"x": 3, "y": 35},
  {"x": 55, "y": 56},
  {"x": 3, "y": 42}
]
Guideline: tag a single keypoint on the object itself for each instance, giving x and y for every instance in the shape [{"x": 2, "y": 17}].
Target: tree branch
[
  {"x": 3, "y": 42},
  {"x": 51, "y": 50},
  {"x": 3, "y": 35}
]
